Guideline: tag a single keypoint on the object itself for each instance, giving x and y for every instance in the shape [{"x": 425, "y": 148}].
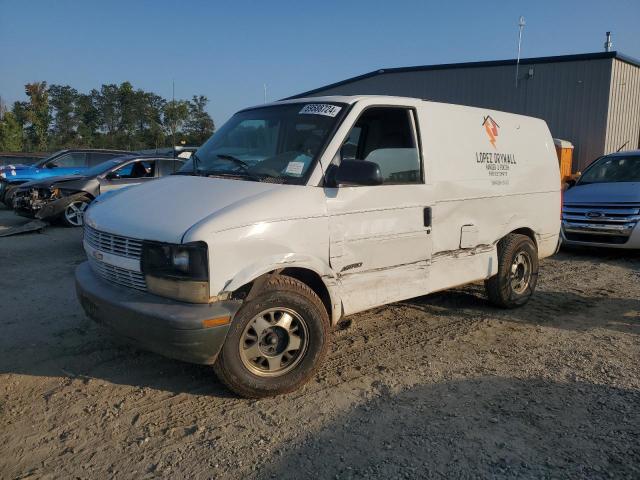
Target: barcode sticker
[{"x": 321, "y": 109}]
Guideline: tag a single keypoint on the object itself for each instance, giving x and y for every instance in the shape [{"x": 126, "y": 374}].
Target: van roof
[
  {"x": 351, "y": 99},
  {"x": 348, "y": 99}
]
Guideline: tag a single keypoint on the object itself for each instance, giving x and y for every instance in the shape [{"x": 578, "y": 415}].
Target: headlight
[
  {"x": 180, "y": 272},
  {"x": 3, "y": 175}
]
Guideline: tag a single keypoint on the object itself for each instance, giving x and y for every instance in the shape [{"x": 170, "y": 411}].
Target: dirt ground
[{"x": 438, "y": 386}]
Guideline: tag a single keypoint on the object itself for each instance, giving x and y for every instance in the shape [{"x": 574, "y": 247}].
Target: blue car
[{"x": 64, "y": 162}]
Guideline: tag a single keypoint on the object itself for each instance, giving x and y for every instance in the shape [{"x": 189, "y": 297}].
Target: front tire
[
  {"x": 73, "y": 215},
  {"x": 517, "y": 275},
  {"x": 276, "y": 341}
]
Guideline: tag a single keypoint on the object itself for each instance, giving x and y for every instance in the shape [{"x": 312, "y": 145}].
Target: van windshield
[
  {"x": 278, "y": 143},
  {"x": 613, "y": 169}
]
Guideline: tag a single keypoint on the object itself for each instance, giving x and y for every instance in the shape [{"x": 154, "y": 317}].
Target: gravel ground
[{"x": 438, "y": 386}]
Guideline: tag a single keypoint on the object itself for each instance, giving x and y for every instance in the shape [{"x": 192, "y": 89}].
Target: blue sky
[{"x": 228, "y": 50}]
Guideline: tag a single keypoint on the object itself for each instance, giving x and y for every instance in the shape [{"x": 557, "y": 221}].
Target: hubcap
[
  {"x": 520, "y": 273},
  {"x": 274, "y": 342},
  {"x": 74, "y": 213}
]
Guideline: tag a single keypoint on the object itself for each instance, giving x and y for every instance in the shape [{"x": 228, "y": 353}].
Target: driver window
[
  {"x": 141, "y": 169},
  {"x": 385, "y": 135}
]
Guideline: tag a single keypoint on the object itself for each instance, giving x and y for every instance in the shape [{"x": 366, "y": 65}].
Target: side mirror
[
  {"x": 571, "y": 182},
  {"x": 355, "y": 173},
  {"x": 112, "y": 176}
]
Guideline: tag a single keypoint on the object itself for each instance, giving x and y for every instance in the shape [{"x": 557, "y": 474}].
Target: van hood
[
  {"x": 614, "y": 192},
  {"x": 164, "y": 210}
]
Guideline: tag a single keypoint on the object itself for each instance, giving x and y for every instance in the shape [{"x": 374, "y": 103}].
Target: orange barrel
[{"x": 564, "y": 150}]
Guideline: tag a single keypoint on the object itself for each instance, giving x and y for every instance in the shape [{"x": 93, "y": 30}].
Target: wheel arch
[
  {"x": 528, "y": 232},
  {"x": 321, "y": 286}
]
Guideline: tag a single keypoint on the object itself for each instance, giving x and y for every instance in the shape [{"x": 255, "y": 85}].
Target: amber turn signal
[{"x": 215, "y": 322}]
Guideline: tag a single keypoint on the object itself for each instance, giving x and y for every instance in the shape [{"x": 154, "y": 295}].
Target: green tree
[
  {"x": 10, "y": 133},
  {"x": 65, "y": 123},
  {"x": 127, "y": 100},
  {"x": 199, "y": 125},
  {"x": 149, "y": 108},
  {"x": 19, "y": 111},
  {"x": 108, "y": 108},
  {"x": 88, "y": 118},
  {"x": 175, "y": 113},
  {"x": 38, "y": 113}
]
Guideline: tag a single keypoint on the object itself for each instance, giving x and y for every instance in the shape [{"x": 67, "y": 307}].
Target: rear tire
[
  {"x": 276, "y": 341},
  {"x": 517, "y": 275}
]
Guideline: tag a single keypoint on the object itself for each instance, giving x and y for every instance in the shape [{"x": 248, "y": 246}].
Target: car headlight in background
[{"x": 180, "y": 272}]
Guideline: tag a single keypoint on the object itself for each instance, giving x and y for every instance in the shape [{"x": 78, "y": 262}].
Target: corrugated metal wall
[
  {"x": 571, "y": 96},
  {"x": 623, "y": 122}
]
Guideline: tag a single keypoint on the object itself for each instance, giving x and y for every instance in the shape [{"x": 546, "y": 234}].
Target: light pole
[{"x": 521, "y": 24}]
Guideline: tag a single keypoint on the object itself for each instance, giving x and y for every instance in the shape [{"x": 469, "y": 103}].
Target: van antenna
[
  {"x": 521, "y": 25},
  {"x": 622, "y": 146},
  {"x": 173, "y": 130}
]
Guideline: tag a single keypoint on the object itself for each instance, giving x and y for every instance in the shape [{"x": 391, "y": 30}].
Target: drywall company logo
[{"x": 491, "y": 127}]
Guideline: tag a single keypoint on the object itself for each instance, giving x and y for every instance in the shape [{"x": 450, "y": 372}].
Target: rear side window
[
  {"x": 70, "y": 160},
  {"x": 386, "y": 136}
]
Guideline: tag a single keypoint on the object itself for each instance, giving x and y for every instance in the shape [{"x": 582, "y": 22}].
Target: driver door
[{"x": 380, "y": 242}]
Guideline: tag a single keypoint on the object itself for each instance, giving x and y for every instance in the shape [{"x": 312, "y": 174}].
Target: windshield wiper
[
  {"x": 233, "y": 159},
  {"x": 223, "y": 174}
]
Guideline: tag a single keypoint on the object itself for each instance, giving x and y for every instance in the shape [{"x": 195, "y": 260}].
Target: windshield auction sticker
[
  {"x": 320, "y": 109},
  {"x": 295, "y": 168}
]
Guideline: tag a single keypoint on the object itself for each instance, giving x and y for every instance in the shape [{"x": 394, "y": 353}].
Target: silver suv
[{"x": 602, "y": 209}]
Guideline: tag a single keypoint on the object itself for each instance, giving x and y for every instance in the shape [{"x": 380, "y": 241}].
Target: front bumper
[
  {"x": 163, "y": 326},
  {"x": 600, "y": 237}
]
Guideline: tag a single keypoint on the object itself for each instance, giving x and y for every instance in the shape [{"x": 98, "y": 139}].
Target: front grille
[
  {"x": 600, "y": 222},
  {"x": 595, "y": 238},
  {"x": 116, "y": 244},
  {"x": 120, "y": 276}
]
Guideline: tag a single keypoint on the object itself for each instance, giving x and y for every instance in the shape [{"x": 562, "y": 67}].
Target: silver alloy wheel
[
  {"x": 520, "y": 272},
  {"x": 274, "y": 342},
  {"x": 74, "y": 213}
]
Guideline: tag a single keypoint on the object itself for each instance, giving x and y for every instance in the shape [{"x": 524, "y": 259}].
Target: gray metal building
[{"x": 592, "y": 100}]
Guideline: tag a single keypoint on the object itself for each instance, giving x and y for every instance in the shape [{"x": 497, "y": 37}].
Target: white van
[{"x": 298, "y": 213}]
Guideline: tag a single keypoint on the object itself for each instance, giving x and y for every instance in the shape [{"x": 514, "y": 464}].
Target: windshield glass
[
  {"x": 103, "y": 167},
  {"x": 43, "y": 161},
  {"x": 613, "y": 169},
  {"x": 276, "y": 143}
]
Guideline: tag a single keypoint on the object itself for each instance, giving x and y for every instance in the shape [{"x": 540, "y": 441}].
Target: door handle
[{"x": 427, "y": 216}]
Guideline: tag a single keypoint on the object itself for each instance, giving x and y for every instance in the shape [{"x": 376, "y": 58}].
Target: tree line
[{"x": 115, "y": 116}]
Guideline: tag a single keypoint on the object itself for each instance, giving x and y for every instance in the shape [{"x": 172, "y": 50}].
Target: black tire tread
[
  {"x": 277, "y": 283},
  {"x": 506, "y": 247}
]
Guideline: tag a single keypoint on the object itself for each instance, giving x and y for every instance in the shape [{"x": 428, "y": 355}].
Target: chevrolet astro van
[{"x": 298, "y": 213}]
